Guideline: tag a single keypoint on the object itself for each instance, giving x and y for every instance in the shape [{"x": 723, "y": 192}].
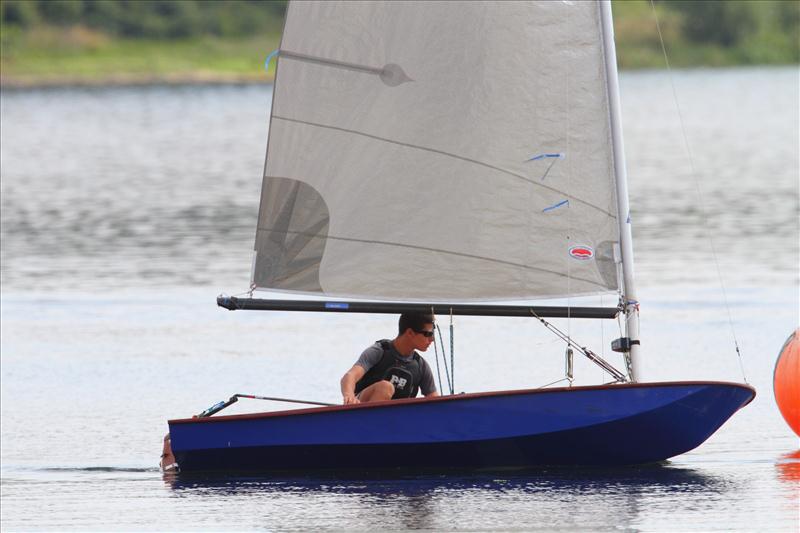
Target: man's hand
[
  {"x": 348, "y": 384},
  {"x": 350, "y": 399}
]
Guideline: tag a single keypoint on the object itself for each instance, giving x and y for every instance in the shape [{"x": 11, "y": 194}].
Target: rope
[
  {"x": 248, "y": 293},
  {"x": 289, "y": 400},
  {"x": 553, "y": 383},
  {"x": 699, "y": 189}
]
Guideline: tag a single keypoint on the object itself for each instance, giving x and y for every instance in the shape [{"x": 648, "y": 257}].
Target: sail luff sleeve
[{"x": 261, "y": 207}]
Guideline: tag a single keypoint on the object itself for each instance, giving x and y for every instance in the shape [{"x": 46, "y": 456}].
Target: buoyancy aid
[{"x": 406, "y": 376}]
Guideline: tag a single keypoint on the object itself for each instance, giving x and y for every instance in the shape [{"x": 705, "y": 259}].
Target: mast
[{"x": 630, "y": 303}]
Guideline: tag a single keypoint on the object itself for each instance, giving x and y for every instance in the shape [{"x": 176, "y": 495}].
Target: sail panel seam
[
  {"x": 448, "y": 154},
  {"x": 425, "y": 248}
]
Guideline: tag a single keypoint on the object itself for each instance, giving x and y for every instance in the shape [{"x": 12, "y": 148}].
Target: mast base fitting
[{"x": 623, "y": 345}]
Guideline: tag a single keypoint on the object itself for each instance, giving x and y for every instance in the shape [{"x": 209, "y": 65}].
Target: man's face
[{"x": 423, "y": 338}]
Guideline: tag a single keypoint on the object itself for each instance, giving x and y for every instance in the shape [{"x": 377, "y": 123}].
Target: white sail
[{"x": 440, "y": 151}]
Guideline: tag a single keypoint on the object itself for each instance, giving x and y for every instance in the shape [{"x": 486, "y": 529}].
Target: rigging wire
[
  {"x": 438, "y": 372},
  {"x": 447, "y": 373},
  {"x": 568, "y": 258},
  {"x": 699, "y": 190},
  {"x": 596, "y": 359}
]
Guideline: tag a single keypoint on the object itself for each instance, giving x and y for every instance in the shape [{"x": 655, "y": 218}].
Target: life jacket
[{"x": 406, "y": 376}]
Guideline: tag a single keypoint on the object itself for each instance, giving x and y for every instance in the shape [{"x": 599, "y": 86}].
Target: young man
[{"x": 388, "y": 370}]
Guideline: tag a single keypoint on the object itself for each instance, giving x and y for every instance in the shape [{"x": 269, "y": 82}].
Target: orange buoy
[{"x": 786, "y": 381}]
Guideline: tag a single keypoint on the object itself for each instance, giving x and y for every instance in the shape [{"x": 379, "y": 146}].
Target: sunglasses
[{"x": 428, "y": 334}]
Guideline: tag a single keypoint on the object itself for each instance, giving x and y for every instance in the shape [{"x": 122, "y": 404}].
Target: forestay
[{"x": 439, "y": 151}]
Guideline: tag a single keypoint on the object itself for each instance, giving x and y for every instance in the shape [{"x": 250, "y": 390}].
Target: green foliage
[
  {"x": 106, "y": 14},
  {"x": 141, "y": 60},
  {"x": 49, "y": 41},
  {"x": 18, "y": 13},
  {"x": 149, "y": 19},
  {"x": 242, "y": 17},
  {"x": 60, "y": 12},
  {"x": 712, "y": 21},
  {"x": 707, "y": 32},
  {"x": 788, "y": 14}
]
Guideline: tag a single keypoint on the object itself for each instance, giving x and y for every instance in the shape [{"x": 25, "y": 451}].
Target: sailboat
[{"x": 438, "y": 157}]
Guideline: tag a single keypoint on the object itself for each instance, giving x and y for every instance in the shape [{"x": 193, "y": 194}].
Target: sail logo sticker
[{"x": 583, "y": 253}]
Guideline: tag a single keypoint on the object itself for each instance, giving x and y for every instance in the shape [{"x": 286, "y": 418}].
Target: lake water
[{"x": 125, "y": 211}]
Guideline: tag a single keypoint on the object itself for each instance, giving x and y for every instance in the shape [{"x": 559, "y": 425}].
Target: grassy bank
[
  {"x": 43, "y": 53},
  {"x": 78, "y": 55}
]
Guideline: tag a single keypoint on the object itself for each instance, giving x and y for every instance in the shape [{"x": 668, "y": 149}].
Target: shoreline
[
  {"x": 134, "y": 80},
  {"x": 13, "y": 82}
]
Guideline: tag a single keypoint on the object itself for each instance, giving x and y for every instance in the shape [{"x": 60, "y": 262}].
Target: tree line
[
  {"x": 149, "y": 19},
  {"x": 750, "y": 31},
  {"x": 729, "y": 23}
]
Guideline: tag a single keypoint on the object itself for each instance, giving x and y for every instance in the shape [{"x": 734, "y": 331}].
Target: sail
[{"x": 439, "y": 151}]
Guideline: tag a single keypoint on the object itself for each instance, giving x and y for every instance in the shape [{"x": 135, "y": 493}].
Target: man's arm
[
  {"x": 348, "y": 384},
  {"x": 428, "y": 386}
]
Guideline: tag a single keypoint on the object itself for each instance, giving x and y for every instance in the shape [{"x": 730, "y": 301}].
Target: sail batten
[{"x": 402, "y": 153}]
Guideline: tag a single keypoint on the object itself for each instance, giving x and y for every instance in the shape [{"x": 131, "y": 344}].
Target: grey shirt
[{"x": 372, "y": 355}]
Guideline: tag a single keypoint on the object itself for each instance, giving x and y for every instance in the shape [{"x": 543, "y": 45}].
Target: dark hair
[{"x": 415, "y": 321}]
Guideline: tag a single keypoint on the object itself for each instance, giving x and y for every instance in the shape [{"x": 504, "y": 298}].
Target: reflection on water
[
  {"x": 788, "y": 467},
  {"x": 536, "y": 499},
  {"x": 94, "y": 469},
  {"x": 641, "y": 479}
]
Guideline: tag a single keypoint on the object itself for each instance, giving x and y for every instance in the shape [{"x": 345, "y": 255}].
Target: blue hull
[{"x": 603, "y": 426}]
